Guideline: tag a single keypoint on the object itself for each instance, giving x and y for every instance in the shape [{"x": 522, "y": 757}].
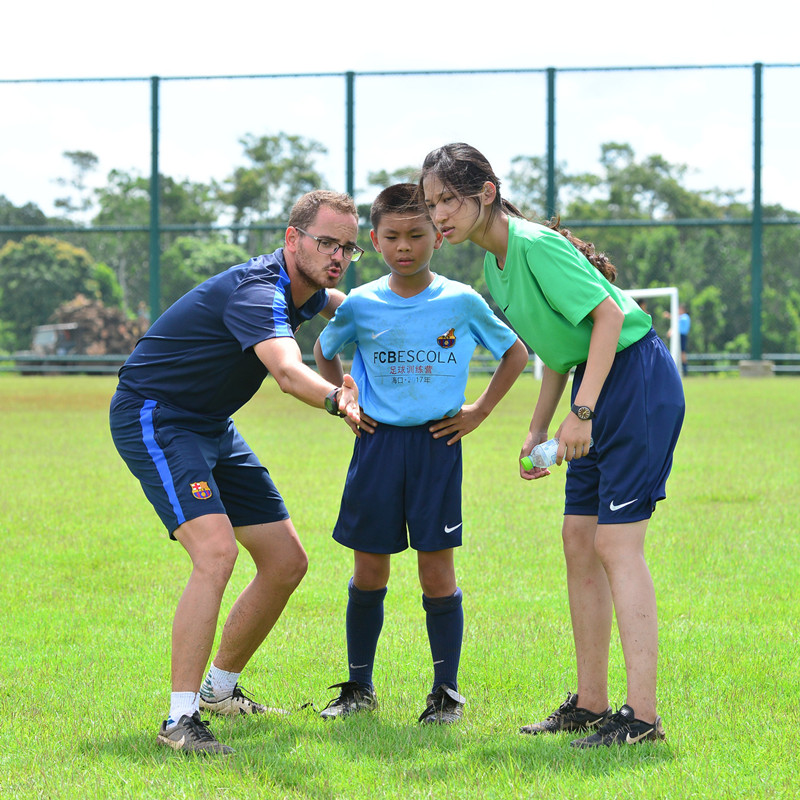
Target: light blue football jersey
[{"x": 412, "y": 353}]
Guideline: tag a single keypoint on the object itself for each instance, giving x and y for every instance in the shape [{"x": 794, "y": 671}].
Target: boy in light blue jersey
[{"x": 415, "y": 333}]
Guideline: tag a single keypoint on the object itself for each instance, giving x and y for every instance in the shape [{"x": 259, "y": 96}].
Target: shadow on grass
[
  {"x": 553, "y": 754},
  {"x": 371, "y": 754}
]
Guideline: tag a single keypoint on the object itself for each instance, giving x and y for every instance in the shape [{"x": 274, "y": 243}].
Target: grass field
[{"x": 90, "y": 583}]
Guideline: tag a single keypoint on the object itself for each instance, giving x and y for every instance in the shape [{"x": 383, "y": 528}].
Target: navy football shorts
[
  {"x": 189, "y": 467},
  {"x": 401, "y": 479},
  {"x": 639, "y": 416}
]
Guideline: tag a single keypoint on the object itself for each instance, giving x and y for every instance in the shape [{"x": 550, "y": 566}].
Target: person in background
[{"x": 684, "y": 324}]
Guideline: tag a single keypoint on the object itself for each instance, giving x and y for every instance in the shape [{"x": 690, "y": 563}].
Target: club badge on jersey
[
  {"x": 201, "y": 490},
  {"x": 447, "y": 340}
]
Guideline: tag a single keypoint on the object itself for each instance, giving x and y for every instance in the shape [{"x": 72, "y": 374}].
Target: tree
[
  {"x": 189, "y": 261},
  {"x": 23, "y": 216},
  {"x": 38, "y": 274},
  {"x": 383, "y": 179},
  {"x": 280, "y": 170},
  {"x": 125, "y": 201},
  {"x": 630, "y": 188},
  {"x": 710, "y": 265},
  {"x": 528, "y": 185},
  {"x": 83, "y": 162}
]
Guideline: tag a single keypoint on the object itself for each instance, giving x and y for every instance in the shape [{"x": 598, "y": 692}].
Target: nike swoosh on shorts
[{"x": 614, "y": 507}]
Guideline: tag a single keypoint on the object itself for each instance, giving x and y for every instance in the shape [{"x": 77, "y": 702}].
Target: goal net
[{"x": 670, "y": 292}]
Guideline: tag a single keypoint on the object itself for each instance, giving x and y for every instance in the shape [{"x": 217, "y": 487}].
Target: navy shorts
[
  {"x": 189, "y": 467},
  {"x": 639, "y": 417},
  {"x": 401, "y": 478}
]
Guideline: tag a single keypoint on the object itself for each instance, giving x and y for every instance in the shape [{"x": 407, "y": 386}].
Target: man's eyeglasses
[{"x": 330, "y": 247}]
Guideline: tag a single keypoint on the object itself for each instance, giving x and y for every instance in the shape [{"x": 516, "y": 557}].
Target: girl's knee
[{"x": 620, "y": 544}]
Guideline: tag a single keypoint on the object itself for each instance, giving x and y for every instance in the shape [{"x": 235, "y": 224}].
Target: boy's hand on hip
[
  {"x": 459, "y": 425},
  {"x": 366, "y": 423}
]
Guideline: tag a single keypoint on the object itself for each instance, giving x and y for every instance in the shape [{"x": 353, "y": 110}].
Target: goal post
[
  {"x": 674, "y": 333},
  {"x": 642, "y": 294}
]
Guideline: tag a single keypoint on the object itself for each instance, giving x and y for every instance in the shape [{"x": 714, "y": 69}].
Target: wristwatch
[
  {"x": 332, "y": 402},
  {"x": 582, "y": 412}
]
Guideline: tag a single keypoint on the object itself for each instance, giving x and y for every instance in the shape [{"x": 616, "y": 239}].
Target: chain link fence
[{"x": 732, "y": 124}]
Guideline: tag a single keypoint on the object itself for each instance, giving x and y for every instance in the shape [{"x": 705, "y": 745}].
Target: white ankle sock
[
  {"x": 182, "y": 704},
  {"x": 219, "y": 683}
]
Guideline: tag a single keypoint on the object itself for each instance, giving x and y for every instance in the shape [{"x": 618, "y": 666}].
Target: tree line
[{"x": 710, "y": 264}]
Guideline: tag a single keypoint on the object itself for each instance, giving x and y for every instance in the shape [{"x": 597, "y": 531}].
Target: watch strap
[
  {"x": 582, "y": 412},
  {"x": 332, "y": 402}
]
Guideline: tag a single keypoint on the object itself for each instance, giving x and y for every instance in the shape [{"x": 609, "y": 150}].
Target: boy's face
[{"x": 406, "y": 242}]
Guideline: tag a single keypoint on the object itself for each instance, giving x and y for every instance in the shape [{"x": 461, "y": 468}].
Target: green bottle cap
[{"x": 527, "y": 463}]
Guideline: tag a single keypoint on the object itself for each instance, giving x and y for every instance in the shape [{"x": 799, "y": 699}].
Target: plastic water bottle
[{"x": 543, "y": 455}]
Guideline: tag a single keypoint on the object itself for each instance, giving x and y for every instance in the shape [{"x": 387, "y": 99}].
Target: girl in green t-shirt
[{"x": 618, "y": 438}]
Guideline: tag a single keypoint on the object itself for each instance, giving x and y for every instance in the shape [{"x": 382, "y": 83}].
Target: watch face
[
  {"x": 331, "y": 402},
  {"x": 584, "y": 413}
]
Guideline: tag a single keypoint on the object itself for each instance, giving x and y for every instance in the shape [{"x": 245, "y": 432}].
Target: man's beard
[{"x": 315, "y": 277}]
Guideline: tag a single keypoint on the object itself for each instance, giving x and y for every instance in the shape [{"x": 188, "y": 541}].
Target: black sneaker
[
  {"x": 445, "y": 706},
  {"x": 352, "y": 697},
  {"x": 235, "y": 704},
  {"x": 623, "y": 728},
  {"x": 568, "y": 717},
  {"x": 192, "y": 735}
]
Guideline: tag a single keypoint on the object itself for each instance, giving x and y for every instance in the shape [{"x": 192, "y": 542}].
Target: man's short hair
[
  {"x": 305, "y": 210},
  {"x": 402, "y": 198}
]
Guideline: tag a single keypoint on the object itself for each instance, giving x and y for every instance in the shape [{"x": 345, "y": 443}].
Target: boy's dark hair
[{"x": 402, "y": 198}]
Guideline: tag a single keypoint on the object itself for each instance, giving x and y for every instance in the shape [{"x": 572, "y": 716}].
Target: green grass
[{"x": 91, "y": 582}]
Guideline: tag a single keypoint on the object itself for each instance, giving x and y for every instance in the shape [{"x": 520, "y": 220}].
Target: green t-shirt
[{"x": 547, "y": 289}]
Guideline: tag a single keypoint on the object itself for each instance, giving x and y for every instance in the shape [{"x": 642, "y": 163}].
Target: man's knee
[
  {"x": 296, "y": 567},
  {"x": 285, "y": 563},
  {"x": 216, "y": 559},
  {"x": 210, "y": 543}
]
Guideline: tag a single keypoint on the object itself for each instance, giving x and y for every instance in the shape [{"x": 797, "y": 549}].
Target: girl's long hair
[
  {"x": 598, "y": 260},
  {"x": 464, "y": 170}
]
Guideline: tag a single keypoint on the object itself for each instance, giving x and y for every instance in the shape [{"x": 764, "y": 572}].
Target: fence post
[
  {"x": 155, "y": 197},
  {"x": 757, "y": 257},
  {"x": 350, "y": 275},
  {"x": 551, "y": 143}
]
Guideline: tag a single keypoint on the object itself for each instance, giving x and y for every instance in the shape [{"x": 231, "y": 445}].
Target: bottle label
[{"x": 544, "y": 455}]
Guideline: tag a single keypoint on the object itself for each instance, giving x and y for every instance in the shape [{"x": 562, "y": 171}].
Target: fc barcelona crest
[
  {"x": 200, "y": 490},
  {"x": 447, "y": 340}
]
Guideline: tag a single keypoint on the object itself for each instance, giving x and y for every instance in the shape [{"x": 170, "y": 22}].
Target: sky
[{"x": 699, "y": 118}]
